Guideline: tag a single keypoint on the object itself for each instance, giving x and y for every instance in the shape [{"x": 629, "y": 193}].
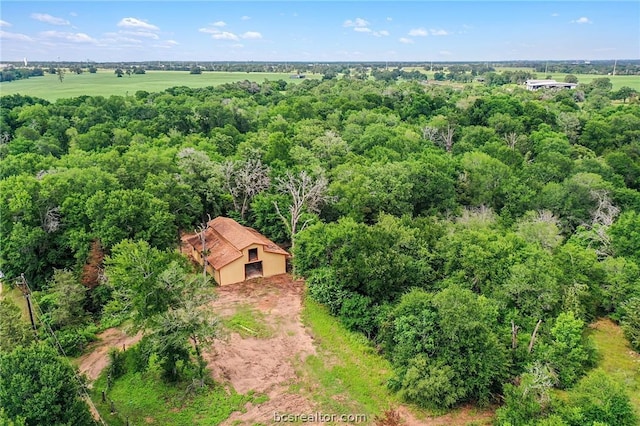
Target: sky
[{"x": 318, "y": 31}]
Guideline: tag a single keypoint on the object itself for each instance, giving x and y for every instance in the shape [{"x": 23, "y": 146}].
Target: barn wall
[{"x": 272, "y": 264}]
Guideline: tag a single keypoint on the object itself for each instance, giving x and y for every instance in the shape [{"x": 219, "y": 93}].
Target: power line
[{"x": 75, "y": 374}]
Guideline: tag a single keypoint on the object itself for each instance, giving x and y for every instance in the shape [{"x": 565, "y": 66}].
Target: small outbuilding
[{"x": 234, "y": 253}]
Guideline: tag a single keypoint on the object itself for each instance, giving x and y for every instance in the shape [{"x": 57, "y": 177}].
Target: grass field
[
  {"x": 617, "y": 358},
  {"x": 105, "y": 83}
]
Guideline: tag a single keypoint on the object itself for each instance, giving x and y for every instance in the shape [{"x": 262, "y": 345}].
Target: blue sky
[{"x": 318, "y": 31}]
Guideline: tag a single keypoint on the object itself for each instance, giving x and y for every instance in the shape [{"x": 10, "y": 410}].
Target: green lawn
[
  {"x": 105, "y": 82},
  {"x": 144, "y": 398},
  {"x": 347, "y": 375},
  {"x": 617, "y": 358},
  {"x": 15, "y": 294}
]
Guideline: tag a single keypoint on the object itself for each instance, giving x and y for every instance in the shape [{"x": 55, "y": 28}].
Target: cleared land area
[
  {"x": 106, "y": 83},
  {"x": 279, "y": 353}
]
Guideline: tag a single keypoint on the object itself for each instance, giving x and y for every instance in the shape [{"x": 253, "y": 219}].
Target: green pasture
[{"x": 106, "y": 83}]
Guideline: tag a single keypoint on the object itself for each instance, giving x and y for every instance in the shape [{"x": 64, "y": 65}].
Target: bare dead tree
[
  {"x": 430, "y": 133},
  {"x": 244, "y": 180},
  {"x": 51, "y": 220},
  {"x": 446, "y": 137},
  {"x": 606, "y": 211},
  {"x": 602, "y": 217},
  {"x": 511, "y": 139},
  {"x": 307, "y": 195},
  {"x": 514, "y": 335},
  {"x": 533, "y": 336}
]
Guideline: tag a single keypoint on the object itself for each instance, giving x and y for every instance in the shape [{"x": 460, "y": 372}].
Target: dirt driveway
[{"x": 263, "y": 364}]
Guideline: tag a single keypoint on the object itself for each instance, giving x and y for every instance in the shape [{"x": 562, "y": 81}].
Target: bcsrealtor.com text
[{"x": 318, "y": 417}]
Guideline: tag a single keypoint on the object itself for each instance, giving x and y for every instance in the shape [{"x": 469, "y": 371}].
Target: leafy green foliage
[
  {"x": 599, "y": 398},
  {"x": 13, "y": 330},
  {"x": 631, "y": 322},
  {"x": 38, "y": 386},
  {"x": 569, "y": 353},
  {"x": 444, "y": 347}
]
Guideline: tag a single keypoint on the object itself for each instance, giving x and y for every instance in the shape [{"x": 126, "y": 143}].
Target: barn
[{"x": 235, "y": 253}]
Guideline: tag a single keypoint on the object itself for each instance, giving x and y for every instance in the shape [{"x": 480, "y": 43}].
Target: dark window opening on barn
[
  {"x": 252, "y": 270},
  {"x": 253, "y": 254}
]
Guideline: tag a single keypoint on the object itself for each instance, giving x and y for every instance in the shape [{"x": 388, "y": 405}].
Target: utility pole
[{"x": 24, "y": 287}]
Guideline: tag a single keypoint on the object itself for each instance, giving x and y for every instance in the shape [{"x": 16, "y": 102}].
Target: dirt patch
[
  {"x": 459, "y": 417},
  {"x": 97, "y": 357},
  {"x": 264, "y": 365}
]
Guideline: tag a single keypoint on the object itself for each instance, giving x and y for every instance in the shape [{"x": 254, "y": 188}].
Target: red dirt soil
[
  {"x": 264, "y": 365},
  {"x": 97, "y": 357}
]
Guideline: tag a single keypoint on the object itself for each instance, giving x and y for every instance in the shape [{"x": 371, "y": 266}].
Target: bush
[
  {"x": 75, "y": 339},
  {"x": 631, "y": 322},
  {"x": 431, "y": 385},
  {"x": 358, "y": 314},
  {"x": 324, "y": 288},
  {"x": 599, "y": 398},
  {"x": 117, "y": 359}
]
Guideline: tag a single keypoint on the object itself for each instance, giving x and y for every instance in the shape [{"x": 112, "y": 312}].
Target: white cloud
[
  {"x": 405, "y": 40},
  {"x": 251, "y": 35},
  {"x": 73, "y": 37},
  {"x": 224, "y": 35},
  {"x": 167, "y": 44},
  {"x": 136, "y": 23},
  {"x": 14, "y": 36},
  {"x": 74, "y": 14},
  {"x": 582, "y": 20},
  {"x": 554, "y": 14},
  {"x": 358, "y": 23},
  {"x": 4, "y": 23},
  {"x": 219, "y": 24},
  {"x": 245, "y": 18},
  {"x": 43, "y": 17},
  {"x": 445, "y": 53},
  {"x": 237, "y": 45},
  {"x": 209, "y": 30},
  {"x": 362, "y": 29},
  {"x": 144, "y": 34},
  {"x": 383, "y": 33},
  {"x": 389, "y": 18},
  {"x": 439, "y": 32},
  {"x": 418, "y": 32}
]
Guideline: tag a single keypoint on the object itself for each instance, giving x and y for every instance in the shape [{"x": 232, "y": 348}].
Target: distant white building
[{"x": 548, "y": 84}]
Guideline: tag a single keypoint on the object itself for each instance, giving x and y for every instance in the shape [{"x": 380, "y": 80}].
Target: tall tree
[
  {"x": 244, "y": 180},
  {"x": 307, "y": 195},
  {"x": 40, "y": 387}
]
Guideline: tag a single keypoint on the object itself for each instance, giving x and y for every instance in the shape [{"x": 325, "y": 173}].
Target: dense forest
[{"x": 471, "y": 234}]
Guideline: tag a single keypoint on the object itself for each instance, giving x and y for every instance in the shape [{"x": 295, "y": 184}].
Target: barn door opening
[{"x": 252, "y": 270}]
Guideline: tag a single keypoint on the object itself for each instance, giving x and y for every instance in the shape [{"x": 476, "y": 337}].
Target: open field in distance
[
  {"x": 105, "y": 82},
  {"x": 618, "y": 81}
]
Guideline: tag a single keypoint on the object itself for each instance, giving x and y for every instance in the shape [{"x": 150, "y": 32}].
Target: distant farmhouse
[
  {"x": 235, "y": 253},
  {"x": 297, "y": 76},
  {"x": 548, "y": 84}
]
